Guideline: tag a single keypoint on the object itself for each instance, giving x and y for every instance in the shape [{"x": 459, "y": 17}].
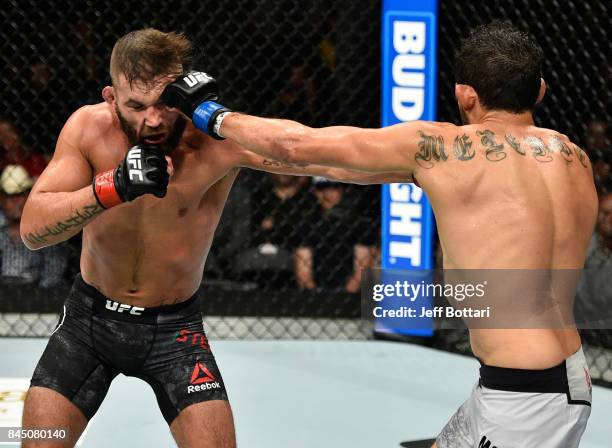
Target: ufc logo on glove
[
  {"x": 194, "y": 77},
  {"x": 134, "y": 164}
]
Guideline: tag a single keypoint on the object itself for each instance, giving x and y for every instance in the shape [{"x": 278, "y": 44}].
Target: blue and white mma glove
[{"x": 194, "y": 94}]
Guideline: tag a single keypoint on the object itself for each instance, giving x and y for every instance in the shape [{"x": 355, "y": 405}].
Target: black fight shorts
[{"x": 98, "y": 338}]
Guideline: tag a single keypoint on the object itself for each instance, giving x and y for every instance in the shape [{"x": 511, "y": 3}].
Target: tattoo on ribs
[
  {"x": 462, "y": 147},
  {"x": 430, "y": 147},
  {"x": 79, "y": 218},
  {"x": 494, "y": 151},
  {"x": 514, "y": 144},
  {"x": 277, "y": 164}
]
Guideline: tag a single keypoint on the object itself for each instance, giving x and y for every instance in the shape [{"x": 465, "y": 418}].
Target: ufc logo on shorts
[
  {"x": 196, "y": 77},
  {"x": 122, "y": 307},
  {"x": 135, "y": 164}
]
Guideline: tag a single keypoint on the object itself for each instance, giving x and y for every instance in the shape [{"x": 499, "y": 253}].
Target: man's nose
[{"x": 153, "y": 116}]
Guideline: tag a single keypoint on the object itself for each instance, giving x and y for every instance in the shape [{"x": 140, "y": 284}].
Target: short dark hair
[
  {"x": 146, "y": 54},
  {"x": 503, "y": 65}
]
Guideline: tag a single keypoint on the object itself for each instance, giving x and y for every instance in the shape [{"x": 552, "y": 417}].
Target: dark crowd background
[{"x": 287, "y": 246}]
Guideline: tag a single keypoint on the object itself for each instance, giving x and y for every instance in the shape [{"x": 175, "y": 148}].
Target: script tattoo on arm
[
  {"x": 277, "y": 164},
  {"x": 539, "y": 150},
  {"x": 462, "y": 147},
  {"x": 430, "y": 147},
  {"x": 494, "y": 151},
  {"x": 514, "y": 144},
  {"x": 78, "y": 219},
  {"x": 581, "y": 156}
]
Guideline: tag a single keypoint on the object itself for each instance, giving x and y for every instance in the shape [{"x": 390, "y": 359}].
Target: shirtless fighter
[
  {"x": 148, "y": 223},
  {"x": 506, "y": 195}
]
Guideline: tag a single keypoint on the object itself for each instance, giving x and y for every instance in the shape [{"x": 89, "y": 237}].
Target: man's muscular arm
[
  {"x": 390, "y": 149},
  {"x": 248, "y": 159},
  {"x": 62, "y": 201},
  {"x": 65, "y": 198}
]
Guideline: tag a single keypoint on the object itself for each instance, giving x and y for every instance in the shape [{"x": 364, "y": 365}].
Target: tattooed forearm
[
  {"x": 494, "y": 151},
  {"x": 581, "y": 156},
  {"x": 539, "y": 150},
  {"x": 80, "y": 218},
  {"x": 462, "y": 147},
  {"x": 277, "y": 164},
  {"x": 514, "y": 144},
  {"x": 430, "y": 147}
]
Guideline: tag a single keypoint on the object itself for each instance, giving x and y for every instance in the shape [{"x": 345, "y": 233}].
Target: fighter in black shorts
[
  {"x": 98, "y": 338},
  {"x": 159, "y": 187}
]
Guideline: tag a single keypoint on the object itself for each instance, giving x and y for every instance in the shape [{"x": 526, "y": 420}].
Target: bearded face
[
  {"x": 142, "y": 116},
  {"x": 167, "y": 140}
]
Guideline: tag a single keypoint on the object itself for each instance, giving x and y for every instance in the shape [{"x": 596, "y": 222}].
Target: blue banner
[{"x": 409, "y": 46}]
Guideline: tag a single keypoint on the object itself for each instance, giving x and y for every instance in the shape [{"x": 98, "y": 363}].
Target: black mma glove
[{"x": 142, "y": 171}]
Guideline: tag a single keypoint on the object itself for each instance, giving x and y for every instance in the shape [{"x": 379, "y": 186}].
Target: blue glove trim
[{"x": 202, "y": 114}]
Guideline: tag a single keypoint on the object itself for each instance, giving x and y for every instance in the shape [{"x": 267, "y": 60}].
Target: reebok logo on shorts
[{"x": 202, "y": 379}]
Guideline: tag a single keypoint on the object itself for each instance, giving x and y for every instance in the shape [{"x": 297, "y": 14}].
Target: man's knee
[{"x": 208, "y": 423}]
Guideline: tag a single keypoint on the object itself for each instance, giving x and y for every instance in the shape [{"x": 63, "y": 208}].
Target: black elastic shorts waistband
[
  {"x": 114, "y": 309},
  {"x": 552, "y": 380}
]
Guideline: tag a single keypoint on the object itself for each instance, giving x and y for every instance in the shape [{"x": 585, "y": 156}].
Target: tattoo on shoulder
[
  {"x": 462, "y": 148},
  {"x": 582, "y": 157},
  {"x": 514, "y": 144},
  {"x": 78, "y": 219},
  {"x": 565, "y": 152},
  {"x": 494, "y": 151},
  {"x": 539, "y": 150},
  {"x": 431, "y": 147},
  {"x": 277, "y": 164}
]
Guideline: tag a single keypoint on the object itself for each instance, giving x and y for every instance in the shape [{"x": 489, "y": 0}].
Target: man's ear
[
  {"x": 466, "y": 96},
  {"x": 542, "y": 91},
  {"x": 108, "y": 93}
]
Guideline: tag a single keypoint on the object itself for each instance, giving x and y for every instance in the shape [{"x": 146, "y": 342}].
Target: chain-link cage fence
[
  {"x": 273, "y": 58},
  {"x": 286, "y": 257}
]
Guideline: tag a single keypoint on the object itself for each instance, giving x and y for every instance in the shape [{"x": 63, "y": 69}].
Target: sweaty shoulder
[
  {"x": 558, "y": 145},
  {"x": 88, "y": 124},
  {"x": 498, "y": 142}
]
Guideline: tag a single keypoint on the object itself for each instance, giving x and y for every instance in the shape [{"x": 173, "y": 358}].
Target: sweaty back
[{"x": 508, "y": 197}]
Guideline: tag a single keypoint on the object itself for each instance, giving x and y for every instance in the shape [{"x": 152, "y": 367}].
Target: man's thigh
[
  {"x": 507, "y": 419},
  {"x": 206, "y": 424},
  {"x": 45, "y": 408},
  {"x": 181, "y": 368},
  {"x": 72, "y": 368},
  {"x": 530, "y": 419}
]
